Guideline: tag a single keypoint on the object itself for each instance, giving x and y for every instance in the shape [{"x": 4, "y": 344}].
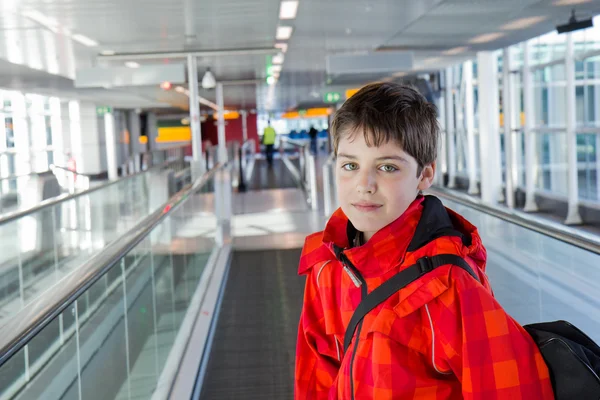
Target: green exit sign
[
  {"x": 332, "y": 97},
  {"x": 101, "y": 111}
]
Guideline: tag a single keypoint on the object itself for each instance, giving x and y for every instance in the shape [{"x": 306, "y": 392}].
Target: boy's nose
[{"x": 366, "y": 182}]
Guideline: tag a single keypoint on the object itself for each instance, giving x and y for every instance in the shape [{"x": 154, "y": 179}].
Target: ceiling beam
[{"x": 184, "y": 53}]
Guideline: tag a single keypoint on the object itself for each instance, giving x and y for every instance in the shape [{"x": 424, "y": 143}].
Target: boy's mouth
[{"x": 366, "y": 206}]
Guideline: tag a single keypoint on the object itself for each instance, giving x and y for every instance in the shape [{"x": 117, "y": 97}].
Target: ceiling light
[
  {"x": 455, "y": 51},
  {"x": 271, "y": 80},
  {"x": 86, "y": 41},
  {"x": 399, "y": 74},
  {"x": 283, "y": 32},
  {"x": 208, "y": 80},
  {"x": 132, "y": 64},
  {"x": 41, "y": 19},
  {"x": 486, "y": 37},
  {"x": 288, "y": 9},
  {"x": 432, "y": 60},
  {"x": 275, "y": 68},
  {"x": 278, "y": 59},
  {"x": 570, "y": 2},
  {"x": 180, "y": 89},
  {"x": 523, "y": 23},
  {"x": 108, "y": 52},
  {"x": 166, "y": 85},
  {"x": 282, "y": 46}
]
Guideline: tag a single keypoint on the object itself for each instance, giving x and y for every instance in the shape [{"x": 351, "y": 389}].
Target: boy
[{"x": 443, "y": 336}]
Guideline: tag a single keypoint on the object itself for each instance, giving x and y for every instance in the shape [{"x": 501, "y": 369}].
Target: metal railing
[
  {"x": 307, "y": 174},
  {"x": 18, "y": 332},
  {"x": 66, "y": 197},
  {"x": 558, "y": 231}
]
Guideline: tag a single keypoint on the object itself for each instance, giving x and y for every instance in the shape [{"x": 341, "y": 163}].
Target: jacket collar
[
  {"x": 384, "y": 251},
  {"x": 423, "y": 221}
]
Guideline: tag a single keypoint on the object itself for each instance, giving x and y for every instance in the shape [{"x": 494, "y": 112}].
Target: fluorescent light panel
[
  {"x": 275, "y": 68},
  {"x": 288, "y": 9},
  {"x": 278, "y": 59},
  {"x": 282, "y": 46},
  {"x": 455, "y": 51},
  {"x": 283, "y": 32},
  {"x": 84, "y": 40},
  {"x": 486, "y": 37},
  {"x": 570, "y": 2},
  {"x": 132, "y": 64},
  {"x": 523, "y": 23}
]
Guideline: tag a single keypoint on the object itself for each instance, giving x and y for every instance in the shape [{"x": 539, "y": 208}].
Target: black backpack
[{"x": 573, "y": 359}]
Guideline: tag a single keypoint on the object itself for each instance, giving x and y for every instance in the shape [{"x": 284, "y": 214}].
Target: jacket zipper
[{"x": 358, "y": 281}]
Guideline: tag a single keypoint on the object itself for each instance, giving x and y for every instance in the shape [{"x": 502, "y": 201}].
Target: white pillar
[
  {"x": 442, "y": 166},
  {"x": 197, "y": 166},
  {"x": 221, "y": 125},
  {"x": 450, "y": 131},
  {"x": 508, "y": 142},
  {"x": 111, "y": 146},
  {"x": 573, "y": 216},
  {"x": 489, "y": 137},
  {"x": 470, "y": 122},
  {"x": 595, "y": 117},
  {"x": 531, "y": 169},
  {"x": 244, "y": 125},
  {"x": 135, "y": 131},
  {"x": 152, "y": 130}
]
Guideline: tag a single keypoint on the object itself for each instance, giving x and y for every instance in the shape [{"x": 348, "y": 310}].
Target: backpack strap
[{"x": 399, "y": 281}]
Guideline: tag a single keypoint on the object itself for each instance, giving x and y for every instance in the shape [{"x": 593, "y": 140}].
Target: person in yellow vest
[{"x": 268, "y": 140}]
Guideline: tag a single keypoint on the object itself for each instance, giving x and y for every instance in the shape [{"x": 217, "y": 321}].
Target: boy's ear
[{"x": 427, "y": 175}]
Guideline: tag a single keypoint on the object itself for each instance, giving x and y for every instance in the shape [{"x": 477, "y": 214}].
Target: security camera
[
  {"x": 574, "y": 25},
  {"x": 208, "y": 80}
]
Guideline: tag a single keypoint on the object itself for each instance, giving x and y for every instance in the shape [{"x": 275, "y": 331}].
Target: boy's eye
[
  {"x": 388, "y": 168},
  {"x": 350, "y": 166}
]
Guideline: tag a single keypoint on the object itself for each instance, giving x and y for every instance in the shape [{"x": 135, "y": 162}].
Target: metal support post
[
  {"x": 450, "y": 132},
  {"x": 508, "y": 142},
  {"x": 221, "y": 125},
  {"x": 529, "y": 109},
  {"x": 573, "y": 217},
  {"x": 197, "y": 166},
  {"x": 111, "y": 146},
  {"x": 244, "y": 125},
  {"x": 470, "y": 122}
]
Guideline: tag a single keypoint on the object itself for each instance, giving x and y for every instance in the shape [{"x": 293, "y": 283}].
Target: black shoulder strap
[{"x": 397, "y": 282}]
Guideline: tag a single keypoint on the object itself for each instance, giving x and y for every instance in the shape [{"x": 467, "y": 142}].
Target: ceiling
[{"x": 39, "y": 53}]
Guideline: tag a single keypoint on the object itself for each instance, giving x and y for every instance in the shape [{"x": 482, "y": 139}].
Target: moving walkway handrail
[
  {"x": 70, "y": 196},
  {"x": 27, "y": 323},
  {"x": 557, "y": 231}
]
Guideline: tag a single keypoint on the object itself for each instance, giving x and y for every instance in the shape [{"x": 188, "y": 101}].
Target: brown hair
[{"x": 387, "y": 111}]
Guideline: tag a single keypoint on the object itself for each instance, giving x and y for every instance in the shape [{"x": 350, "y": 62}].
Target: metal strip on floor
[{"x": 276, "y": 177}]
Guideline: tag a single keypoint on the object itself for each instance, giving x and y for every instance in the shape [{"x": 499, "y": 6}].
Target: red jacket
[{"x": 442, "y": 337}]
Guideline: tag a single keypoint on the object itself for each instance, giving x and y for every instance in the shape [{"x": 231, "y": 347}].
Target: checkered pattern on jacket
[{"x": 442, "y": 337}]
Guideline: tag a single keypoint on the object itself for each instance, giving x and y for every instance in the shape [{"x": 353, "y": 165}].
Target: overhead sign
[
  {"x": 102, "y": 111},
  {"x": 351, "y": 92},
  {"x": 331, "y": 97}
]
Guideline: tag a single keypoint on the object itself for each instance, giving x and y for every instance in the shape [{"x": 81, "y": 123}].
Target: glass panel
[
  {"x": 123, "y": 328},
  {"x": 103, "y": 341},
  {"x": 588, "y": 166},
  {"x": 31, "y": 373},
  {"x": 552, "y": 162}
]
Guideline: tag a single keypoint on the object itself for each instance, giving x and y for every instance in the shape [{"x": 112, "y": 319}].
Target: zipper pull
[{"x": 353, "y": 277}]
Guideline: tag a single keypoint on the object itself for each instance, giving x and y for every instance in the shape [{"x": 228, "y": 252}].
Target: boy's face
[{"x": 375, "y": 185}]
